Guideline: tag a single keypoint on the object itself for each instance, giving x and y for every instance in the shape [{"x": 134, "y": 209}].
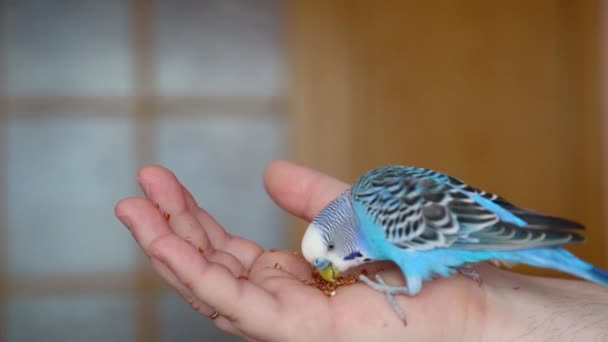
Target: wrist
[{"x": 528, "y": 308}]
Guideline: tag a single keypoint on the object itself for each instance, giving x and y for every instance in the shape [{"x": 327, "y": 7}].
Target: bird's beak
[{"x": 329, "y": 273}]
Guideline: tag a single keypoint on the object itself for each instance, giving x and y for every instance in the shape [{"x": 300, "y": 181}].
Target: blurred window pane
[
  {"x": 221, "y": 160},
  {"x": 67, "y": 47},
  {"x": 71, "y": 157},
  {"x": 67, "y": 319},
  {"x": 64, "y": 177},
  {"x": 218, "y": 47}
]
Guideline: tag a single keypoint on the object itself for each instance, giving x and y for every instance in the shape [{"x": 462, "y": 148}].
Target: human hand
[{"x": 203, "y": 262}]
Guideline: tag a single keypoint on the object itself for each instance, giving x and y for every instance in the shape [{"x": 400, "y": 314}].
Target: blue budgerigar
[{"x": 433, "y": 225}]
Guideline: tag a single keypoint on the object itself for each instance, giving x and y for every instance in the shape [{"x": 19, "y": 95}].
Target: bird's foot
[
  {"x": 381, "y": 286},
  {"x": 471, "y": 273}
]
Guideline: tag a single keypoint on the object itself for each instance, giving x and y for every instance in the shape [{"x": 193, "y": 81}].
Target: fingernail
[{"x": 125, "y": 220}]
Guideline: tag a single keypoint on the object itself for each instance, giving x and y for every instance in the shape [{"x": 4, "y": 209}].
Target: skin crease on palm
[{"x": 195, "y": 255}]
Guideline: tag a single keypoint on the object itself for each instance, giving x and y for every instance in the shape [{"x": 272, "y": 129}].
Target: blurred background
[{"x": 505, "y": 95}]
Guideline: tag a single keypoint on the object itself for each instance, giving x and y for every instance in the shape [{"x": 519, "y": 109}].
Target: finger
[
  {"x": 195, "y": 224},
  {"x": 279, "y": 264},
  {"x": 217, "y": 235},
  {"x": 244, "y": 250},
  {"x": 143, "y": 220},
  {"x": 184, "y": 292},
  {"x": 146, "y": 224},
  {"x": 203, "y": 309},
  {"x": 300, "y": 190},
  {"x": 162, "y": 187},
  {"x": 227, "y": 260},
  {"x": 240, "y": 301}
]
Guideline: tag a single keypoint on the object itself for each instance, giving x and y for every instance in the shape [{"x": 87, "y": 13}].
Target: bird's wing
[{"x": 423, "y": 209}]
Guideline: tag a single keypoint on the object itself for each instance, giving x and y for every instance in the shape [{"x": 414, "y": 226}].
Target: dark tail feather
[
  {"x": 559, "y": 259},
  {"x": 537, "y": 220},
  {"x": 598, "y": 275}
]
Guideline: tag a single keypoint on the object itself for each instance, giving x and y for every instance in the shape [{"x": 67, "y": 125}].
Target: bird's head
[{"x": 331, "y": 241}]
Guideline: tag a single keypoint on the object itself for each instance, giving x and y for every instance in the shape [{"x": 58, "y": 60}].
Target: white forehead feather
[{"x": 313, "y": 245}]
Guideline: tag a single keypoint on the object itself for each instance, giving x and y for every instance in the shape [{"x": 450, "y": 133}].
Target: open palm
[{"x": 259, "y": 294}]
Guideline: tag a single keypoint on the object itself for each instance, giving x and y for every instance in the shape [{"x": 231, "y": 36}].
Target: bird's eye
[{"x": 331, "y": 246}]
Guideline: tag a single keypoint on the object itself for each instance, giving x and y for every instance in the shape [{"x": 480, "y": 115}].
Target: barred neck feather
[{"x": 338, "y": 224}]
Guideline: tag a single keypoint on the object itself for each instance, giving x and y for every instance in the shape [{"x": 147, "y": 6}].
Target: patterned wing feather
[{"x": 423, "y": 209}]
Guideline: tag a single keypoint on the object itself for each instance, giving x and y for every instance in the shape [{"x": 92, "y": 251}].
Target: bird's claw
[
  {"x": 471, "y": 273},
  {"x": 380, "y": 286}
]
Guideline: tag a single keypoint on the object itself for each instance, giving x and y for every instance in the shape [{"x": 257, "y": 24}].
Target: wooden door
[{"x": 504, "y": 95}]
